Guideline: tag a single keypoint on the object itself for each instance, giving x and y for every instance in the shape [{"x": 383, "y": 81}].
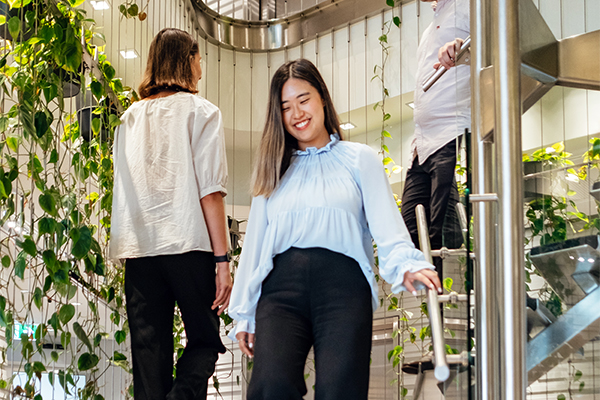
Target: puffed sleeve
[
  {"x": 208, "y": 151},
  {"x": 246, "y": 287},
  {"x": 397, "y": 253}
]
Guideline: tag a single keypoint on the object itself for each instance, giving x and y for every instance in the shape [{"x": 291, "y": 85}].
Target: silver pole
[
  {"x": 487, "y": 361},
  {"x": 441, "y": 371},
  {"x": 507, "y": 128}
]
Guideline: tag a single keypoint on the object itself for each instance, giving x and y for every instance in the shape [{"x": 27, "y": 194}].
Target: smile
[{"x": 302, "y": 124}]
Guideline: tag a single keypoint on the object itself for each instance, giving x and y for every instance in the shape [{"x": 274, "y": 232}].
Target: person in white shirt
[
  {"x": 168, "y": 222},
  {"x": 441, "y": 115},
  {"x": 306, "y": 275}
]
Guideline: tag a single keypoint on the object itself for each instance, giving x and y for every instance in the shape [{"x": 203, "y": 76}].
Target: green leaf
[
  {"x": 37, "y": 297},
  {"x": 6, "y": 261},
  {"x": 50, "y": 92},
  {"x": 390, "y": 3},
  {"x": 41, "y": 123},
  {"x": 133, "y": 10},
  {"x": 387, "y": 160},
  {"x": 46, "y": 225},
  {"x": 581, "y": 386},
  {"x": 2, "y": 19},
  {"x": 109, "y": 71},
  {"x": 120, "y": 336},
  {"x": 54, "y": 323},
  {"x": 96, "y": 125},
  {"x": 20, "y": 264},
  {"x": 28, "y": 246},
  {"x": 397, "y": 21},
  {"x": 561, "y": 397},
  {"x": 386, "y": 134},
  {"x": 387, "y": 116},
  {"x": 97, "y": 89},
  {"x": 54, "y": 356},
  {"x": 82, "y": 335},
  {"x": 578, "y": 375},
  {"x": 448, "y": 284},
  {"x": 48, "y": 203},
  {"x": 82, "y": 241},
  {"x": 119, "y": 357},
  {"x": 66, "y": 313},
  {"x": 13, "y": 143},
  {"x": 53, "y": 156},
  {"x": 14, "y": 27},
  {"x": 65, "y": 339},
  {"x": 385, "y": 148},
  {"x": 87, "y": 361}
]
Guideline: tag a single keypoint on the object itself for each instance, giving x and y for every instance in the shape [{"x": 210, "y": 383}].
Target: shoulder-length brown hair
[
  {"x": 169, "y": 63},
  {"x": 277, "y": 145}
]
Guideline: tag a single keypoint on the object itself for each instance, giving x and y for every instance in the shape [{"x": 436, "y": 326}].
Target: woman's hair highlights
[
  {"x": 277, "y": 145},
  {"x": 169, "y": 63}
]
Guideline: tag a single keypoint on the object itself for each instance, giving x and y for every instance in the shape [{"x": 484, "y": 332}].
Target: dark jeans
[
  {"x": 433, "y": 185},
  {"x": 313, "y": 297},
  {"x": 152, "y": 286}
]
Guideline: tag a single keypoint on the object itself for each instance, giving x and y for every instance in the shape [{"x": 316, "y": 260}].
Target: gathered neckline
[{"x": 334, "y": 138}]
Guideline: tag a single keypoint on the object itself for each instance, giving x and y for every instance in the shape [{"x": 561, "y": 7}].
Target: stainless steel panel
[
  {"x": 564, "y": 337},
  {"x": 579, "y": 61}
]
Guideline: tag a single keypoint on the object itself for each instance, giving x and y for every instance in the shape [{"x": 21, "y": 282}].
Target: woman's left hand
[{"x": 427, "y": 277}]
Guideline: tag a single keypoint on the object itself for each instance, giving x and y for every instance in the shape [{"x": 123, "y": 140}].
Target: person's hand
[
  {"x": 246, "y": 342},
  {"x": 447, "y": 54},
  {"x": 224, "y": 285},
  {"x": 427, "y": 277}
]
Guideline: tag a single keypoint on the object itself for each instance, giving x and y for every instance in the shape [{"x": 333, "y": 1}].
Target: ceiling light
[
  {"x": 100, "y": 5},
  {"x": 127, "y": 54},
  {"x": 411, "y": 104},
  {"x": 347, "y": 126}
]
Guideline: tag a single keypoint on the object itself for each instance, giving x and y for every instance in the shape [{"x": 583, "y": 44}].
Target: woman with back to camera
[
  {"x": 168, "y": 222},
  {"x": 306, "y": 271}
]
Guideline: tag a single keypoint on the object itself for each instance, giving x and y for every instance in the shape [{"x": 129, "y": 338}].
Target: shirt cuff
[
  {"x": 213, "y": 189},
  {"x": 242, "y": 326}
]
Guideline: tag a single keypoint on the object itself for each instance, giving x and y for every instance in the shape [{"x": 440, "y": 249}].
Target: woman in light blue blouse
[{"x": 306, "y": 276}]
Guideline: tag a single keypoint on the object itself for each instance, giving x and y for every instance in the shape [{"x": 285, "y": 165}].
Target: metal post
[
  {"x": 441, "y": 371},
  {"x": 487, "y": 361},
  {"x": 506, "y": 59}
]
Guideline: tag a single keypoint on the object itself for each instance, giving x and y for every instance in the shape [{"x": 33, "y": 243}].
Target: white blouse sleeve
[
  {"x": 208, "y": 152},
  {"x": 246, "y": 291},
  {"x": 397, "y": 253}
]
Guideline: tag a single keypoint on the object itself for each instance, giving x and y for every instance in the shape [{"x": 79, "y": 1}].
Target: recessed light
[
  {"x": 100, "y": 5},
  {"x": 411, "y": 104},
  {"x": 127, "y": 54},
  {"x": 347, "y": 126}
]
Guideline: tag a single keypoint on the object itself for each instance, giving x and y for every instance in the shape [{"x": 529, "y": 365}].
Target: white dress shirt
[
  {"x": 169, "y": 152},
  {"x": 337, "y": 197},
  {"x": 444, "y": 111}
]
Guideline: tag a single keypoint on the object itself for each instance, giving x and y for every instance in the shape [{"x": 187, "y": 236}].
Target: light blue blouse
[{"x": 337, "y": 197}]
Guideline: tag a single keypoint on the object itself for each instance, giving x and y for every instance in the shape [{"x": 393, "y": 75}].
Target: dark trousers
[
  {"x": 313, "y": 297},
  {"x": 433, "y": 185},
  {"x": 152, "y": 286}
]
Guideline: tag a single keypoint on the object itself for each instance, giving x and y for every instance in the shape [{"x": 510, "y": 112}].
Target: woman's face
[
  {"x": 303, "y": 113},
  {"x": 196, "y": 67}
]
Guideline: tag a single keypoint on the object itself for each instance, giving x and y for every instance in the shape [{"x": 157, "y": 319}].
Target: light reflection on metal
[{"x": 290, "y": 31}]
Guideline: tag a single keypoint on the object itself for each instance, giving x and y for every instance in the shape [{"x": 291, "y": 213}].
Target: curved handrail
[{"x": 280, "y": 33}]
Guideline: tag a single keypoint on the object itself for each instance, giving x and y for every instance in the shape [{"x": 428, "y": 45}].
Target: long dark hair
[
  {"x": 169, "y": 63},
  {"x": 277, "y": 145}
]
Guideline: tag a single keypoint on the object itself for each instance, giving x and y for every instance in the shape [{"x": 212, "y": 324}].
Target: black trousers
[
  {"x": 313, "y": 297},
  {"x": 433, "y": 185},
  {"x": 152, "y": 286}
]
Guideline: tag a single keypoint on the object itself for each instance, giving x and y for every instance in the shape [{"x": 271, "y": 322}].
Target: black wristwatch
[{"x": 224, "y": 258}]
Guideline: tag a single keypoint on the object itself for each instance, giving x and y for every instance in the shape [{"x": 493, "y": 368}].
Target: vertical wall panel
[
  {"x": 573, "y": 17},
  {"x": 550, "y": 10},
  {"x": 409, "y": 44},
  {"x": 552, "y": 116},
  {"x": 340, "y": 75}
]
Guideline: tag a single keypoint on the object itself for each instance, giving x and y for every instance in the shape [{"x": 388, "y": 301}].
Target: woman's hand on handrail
[{"x": 427, "y": 277}]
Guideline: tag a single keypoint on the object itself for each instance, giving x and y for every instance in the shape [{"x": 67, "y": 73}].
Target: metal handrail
[{"x": 441, "y": 371}]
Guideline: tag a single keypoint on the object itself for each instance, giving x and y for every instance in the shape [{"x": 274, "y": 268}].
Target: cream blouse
[{"x": 169, "y": 152}]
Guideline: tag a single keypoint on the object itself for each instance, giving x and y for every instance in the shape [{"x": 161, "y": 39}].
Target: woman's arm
[{"x": 214, "y": 215}]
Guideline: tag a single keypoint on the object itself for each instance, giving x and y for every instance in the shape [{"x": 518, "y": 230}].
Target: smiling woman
[{"x": 305, "y": 275}]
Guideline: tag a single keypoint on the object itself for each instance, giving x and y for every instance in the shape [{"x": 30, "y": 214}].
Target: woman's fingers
[
  {"x": 246, "y": 343},
  {"x": 427, "y": 277}
]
